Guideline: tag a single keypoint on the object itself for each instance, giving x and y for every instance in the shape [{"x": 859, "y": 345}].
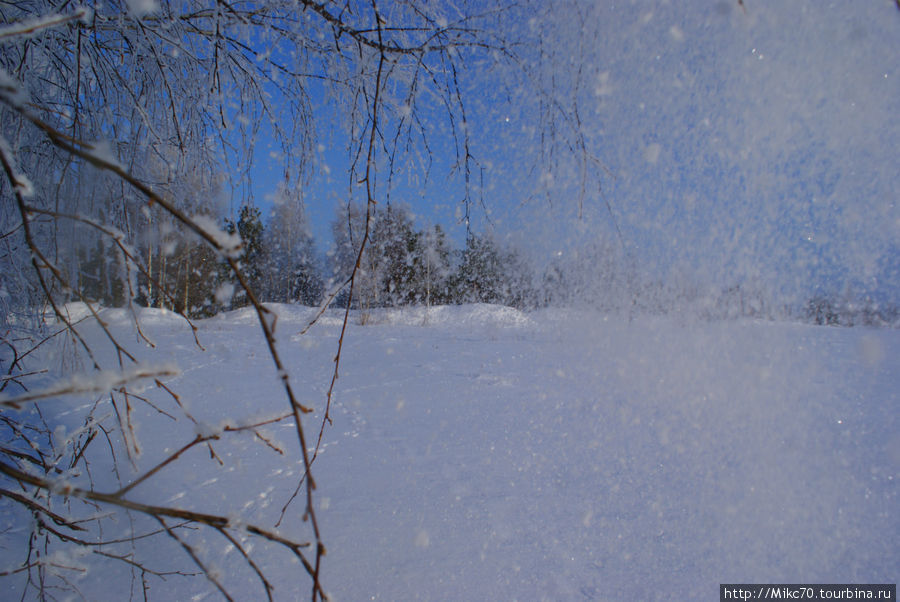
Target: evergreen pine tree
[
  {"x": 488, "y": 273},
  {"x": 396, "y": 257},
  {"x": 433, "y": 277},
  {"x": 292, "y": 270},
  {"x": 250, "y": 228}
]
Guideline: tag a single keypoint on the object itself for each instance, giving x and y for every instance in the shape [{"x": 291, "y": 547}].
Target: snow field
[{"x": 481, "y": 453}]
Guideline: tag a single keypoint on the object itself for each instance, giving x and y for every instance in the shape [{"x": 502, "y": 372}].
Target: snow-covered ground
[{"x": 480, "y": 453}]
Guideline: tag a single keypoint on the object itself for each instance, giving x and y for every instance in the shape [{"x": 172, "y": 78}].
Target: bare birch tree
[{"x": 108, "y": 113}]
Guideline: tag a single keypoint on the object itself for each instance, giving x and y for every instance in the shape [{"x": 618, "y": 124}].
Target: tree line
[{"x": 401, "y": 265}]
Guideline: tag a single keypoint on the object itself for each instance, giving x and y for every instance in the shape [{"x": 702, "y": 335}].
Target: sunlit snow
[{"x": 479, "y": 452}]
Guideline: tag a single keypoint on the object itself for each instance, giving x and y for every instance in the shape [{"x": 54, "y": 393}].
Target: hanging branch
[
  {"x": 216, "y": 522},
  {"x": 89, "y": 153}
]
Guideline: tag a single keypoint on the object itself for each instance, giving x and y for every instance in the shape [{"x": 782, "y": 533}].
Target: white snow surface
[{"x": 482, "y": 453}]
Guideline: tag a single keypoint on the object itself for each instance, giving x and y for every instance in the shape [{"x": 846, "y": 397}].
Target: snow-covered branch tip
[
  {"x": 97, "y": 382},
  {"x": 214, "y": 521},
  {"x": 22, "y": 185},
  {"x": 230, "y": 245},
  {"x": 11, "y": 92},
  {"x": 30, "y": 27}
]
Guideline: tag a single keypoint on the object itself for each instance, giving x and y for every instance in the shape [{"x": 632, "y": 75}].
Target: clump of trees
[
  {"x": 848, "y": 310},
  {"x": 401, "y": 265},
  {"x": 601, "y": 275},
  {"x": 183, "y": 274},
  {"x": 405, "y": 266}
]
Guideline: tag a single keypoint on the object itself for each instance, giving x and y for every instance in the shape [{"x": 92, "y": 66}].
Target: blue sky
[{"x": 758, "y": 145}]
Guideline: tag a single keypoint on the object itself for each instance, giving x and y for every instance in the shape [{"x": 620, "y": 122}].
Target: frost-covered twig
[
  {"x": 87, "y": 152},
  {"x": 325, "y": 304},
  {"x": 160, "y": 513},
  {"x": 30, "y": 27},
  {"x": 29, "y": 503},
  {"x": 370, "y": 206},
  {"x": 96, "y": 382}
]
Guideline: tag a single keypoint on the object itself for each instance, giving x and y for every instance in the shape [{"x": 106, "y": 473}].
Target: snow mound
[
  {"x": 73, "y": 312},
  {"x": 77, "y": 311},
  {"x": 473, "y": 315},
  {"x": 153, "y": 315},
  {"x": 479, "y": 315}
]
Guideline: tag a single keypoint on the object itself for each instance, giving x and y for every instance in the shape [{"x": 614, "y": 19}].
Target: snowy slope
[{"x": 481, "y": 453}]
